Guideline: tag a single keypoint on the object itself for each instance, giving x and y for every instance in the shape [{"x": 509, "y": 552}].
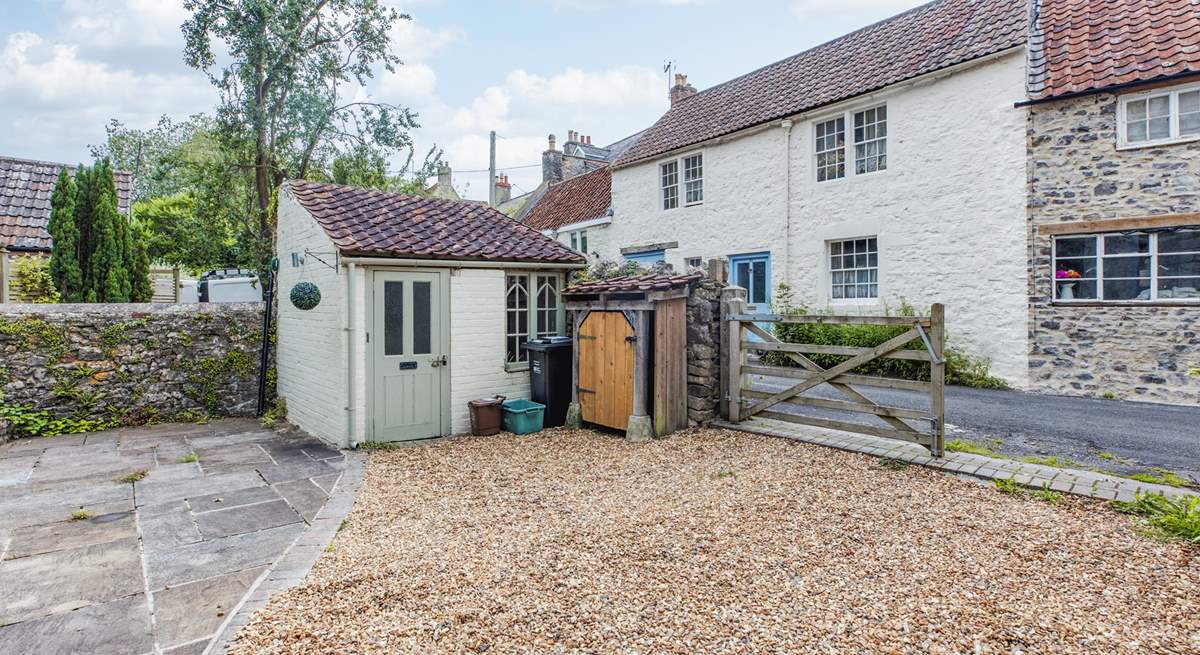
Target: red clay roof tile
[
  {"x": 633, "y": 284},
  {"x": 581, "y": 198},
  {"x": 373, "y": 223}
]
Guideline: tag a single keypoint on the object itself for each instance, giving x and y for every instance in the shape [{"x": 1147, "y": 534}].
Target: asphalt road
[{"x": 1140, "y": 436}]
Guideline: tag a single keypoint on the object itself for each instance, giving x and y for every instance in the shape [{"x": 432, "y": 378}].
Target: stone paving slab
[
  {"x": 166, "y": 561},
  {"x": 1091, "y": 484}
]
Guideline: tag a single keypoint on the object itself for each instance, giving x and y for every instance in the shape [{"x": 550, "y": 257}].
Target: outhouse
[{"x": 630, "y": 369}]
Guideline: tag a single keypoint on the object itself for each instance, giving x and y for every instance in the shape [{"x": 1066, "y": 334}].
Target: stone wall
[
  {"x": 704, "y": 350},
  {"x": 131, "y": 363},
  {"x": 1076, "y": 173}
]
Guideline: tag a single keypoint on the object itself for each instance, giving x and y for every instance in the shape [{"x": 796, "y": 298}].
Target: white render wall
[
  {"x": 311, "y": 359},
  {"x": 949, "y": 212},
  {"x": 477, "y": 344}
]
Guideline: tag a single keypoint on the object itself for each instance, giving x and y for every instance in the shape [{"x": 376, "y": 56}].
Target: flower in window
[{"x": 1063, "y": 274}]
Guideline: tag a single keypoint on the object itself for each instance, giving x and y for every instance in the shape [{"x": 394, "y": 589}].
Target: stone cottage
[{"x": 1114, "y": 199}]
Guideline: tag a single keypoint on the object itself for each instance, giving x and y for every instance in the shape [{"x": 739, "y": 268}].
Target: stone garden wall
[
  {"x": 97, "y": 366},
  {"x": 704, "y": 346},
  {"x": 1076, "y": 173}
]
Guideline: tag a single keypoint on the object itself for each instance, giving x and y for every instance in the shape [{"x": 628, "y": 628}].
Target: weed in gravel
[
  {"x": 329, "y": 547},
  {"x": 134, "y": 476},
  {"x": 1109, "y": 457},
  {"x": 1162, "y": 476},
  {"x": 1046, "y": 495},
  {"x": 721, "y": 475},
  {"x": 891, "y": 463},
  {"x": 81, "y": 515},
  {"x": 189, "y": 458},
  {"x": 1166, "y": 517},
  {"x": 377, "y": 445},
  {"x": 1009, "y": 487},
  {"x": 964, "y": 446},
  {"x": 343, "y": 524}
]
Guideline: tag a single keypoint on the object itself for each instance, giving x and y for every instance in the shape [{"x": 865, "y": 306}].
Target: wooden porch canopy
[{"x": 648, "y": 348}]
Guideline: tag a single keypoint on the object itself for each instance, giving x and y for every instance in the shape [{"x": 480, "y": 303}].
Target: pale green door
[{"x": 410, "y": 351}]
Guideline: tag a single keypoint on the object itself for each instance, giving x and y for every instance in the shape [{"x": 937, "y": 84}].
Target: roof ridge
[{"x": 47, "y": 162}]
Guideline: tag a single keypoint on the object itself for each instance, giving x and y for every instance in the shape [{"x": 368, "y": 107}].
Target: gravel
[{"x": 718, "y": 541}]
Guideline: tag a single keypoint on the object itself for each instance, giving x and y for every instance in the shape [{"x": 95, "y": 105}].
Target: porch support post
[
  {"x": 640, "y": 427},
  {"x": 574, "y": 411}
]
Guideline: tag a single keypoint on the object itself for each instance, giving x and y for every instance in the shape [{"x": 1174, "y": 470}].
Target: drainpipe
[
  {"x": 787, "y": 197},
  {"x": 351, "y": 346}
]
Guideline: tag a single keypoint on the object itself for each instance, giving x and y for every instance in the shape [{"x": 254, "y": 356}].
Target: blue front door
[
  {"x": 646, "y": 259},
  {"x": 753, "y": 273}
]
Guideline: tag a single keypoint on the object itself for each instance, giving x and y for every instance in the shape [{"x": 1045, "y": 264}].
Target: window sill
[
  {"x": 1126, "y": 303},
  {"x": 1122, "y": 146}
]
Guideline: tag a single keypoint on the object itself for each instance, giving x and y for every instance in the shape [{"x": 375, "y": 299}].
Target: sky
[{"x": 524, "y": 68}]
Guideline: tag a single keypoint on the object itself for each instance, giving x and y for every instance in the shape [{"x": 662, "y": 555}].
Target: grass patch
[
  {"x": 892, "y": 464},
  {"x": 1009, "y": 487},
  {"x": 1052, "y": 460},
  {"x": 189, "y": 458},
  {"x": 378, "y": 445},
  {"x": 134, "y": 476},
  {"x": 1046, "y": 495},
  {"x": 81, "y": 515},
  {"x": 964, "y": 446},
  {"x": 1162, "y": 476},
  {"x": 1115, "y": 459},
  {"x": 721, "y": 475},
  {"x": 1165, "y": 517}
]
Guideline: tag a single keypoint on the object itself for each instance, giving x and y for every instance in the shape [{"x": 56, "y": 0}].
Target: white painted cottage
[
  {"x": 887, "y": 164},
  {"x": 425, "y": 304}
]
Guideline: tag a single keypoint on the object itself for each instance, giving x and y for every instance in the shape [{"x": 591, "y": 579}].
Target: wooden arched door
[{"x": 606, "y": 350}]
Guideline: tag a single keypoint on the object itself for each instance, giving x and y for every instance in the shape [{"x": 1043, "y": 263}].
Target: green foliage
[
  {"x": 1113, "y": 458},
  {"x": 1166, "y": 517},
  {"x": 1051, "y": 460},
  {"x": 892, "y": 464},
  {"x": 189, "y": 458},
  {"x": 32, "y": 280},
  {"x": 115, "y": 334},
  {"x": 1162, "y": 476},
  {"x": 36, "y": 334},
  {"x": 607, "y": 269},
  {"x": 81, "y": 515},
  {"x": 1046, "y": 495},
  {"x": 277, "y": 412},
  {"x": 961, "y": 368},
  {"x": 963, "y": 446},
  {"x": 1009, "y": 487},
  {"x": 134, "y": 476},
  {"x": 96, "y": 257},
  {"x": 28, "y": 422},
  {"x": 379, "y": 445},
  {"x": 206, "y": 377},
  {"x": 66, "y": 271},
  {"x": 156, "y": 156}
]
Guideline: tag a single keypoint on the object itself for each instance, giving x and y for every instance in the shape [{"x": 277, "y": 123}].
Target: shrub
[
  {"x": 1162, "y": 516},
  {"x": 961, "y": 368},
  {"x": 606, "y": 269},
  {"x": 31, "y": 280}
]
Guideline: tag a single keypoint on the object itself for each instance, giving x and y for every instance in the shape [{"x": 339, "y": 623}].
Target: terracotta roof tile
[
  {"x": 633, "y": 284},
  {"x": 925, "y": 39},
  {"x": 369, "y": 222},
  {"x": 25, "y": 189},
  {"x": 581, "y": 198},
  {"x": 1079, "y": 46}
]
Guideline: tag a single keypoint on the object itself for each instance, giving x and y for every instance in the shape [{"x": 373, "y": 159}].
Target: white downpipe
[
  {"x": 351, "y": 347},
  {"x": 787, "y": 197}
]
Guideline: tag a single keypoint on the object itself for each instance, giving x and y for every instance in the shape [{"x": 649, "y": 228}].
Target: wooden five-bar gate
[{"x": 745, "y": 335}]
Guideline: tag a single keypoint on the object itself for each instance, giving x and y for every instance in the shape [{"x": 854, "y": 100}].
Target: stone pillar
[
  {"x": 640, "y": 427},
  {"x": 733, "y": 301}
]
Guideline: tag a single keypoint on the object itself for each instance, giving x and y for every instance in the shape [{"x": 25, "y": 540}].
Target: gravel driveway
[{"x": 718, "y": 541}]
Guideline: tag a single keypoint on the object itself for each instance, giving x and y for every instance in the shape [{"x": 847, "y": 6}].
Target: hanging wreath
[{"x": 305, "y": 295}]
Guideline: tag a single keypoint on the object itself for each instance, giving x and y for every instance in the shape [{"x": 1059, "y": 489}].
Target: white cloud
[
  {"x": 117, "y": 23},
  {"x": 413, "y": 42},
  {"x": 854, "y": 11},
  {"x": 613, "y": 87},
  {"x": 406, "y": 84}
]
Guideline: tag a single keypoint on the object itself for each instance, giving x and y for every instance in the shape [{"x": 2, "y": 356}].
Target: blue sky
[{"x": 525, "y": 68}]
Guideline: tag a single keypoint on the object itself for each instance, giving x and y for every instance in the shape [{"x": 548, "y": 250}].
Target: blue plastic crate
[{"x": 523, "y": 416}]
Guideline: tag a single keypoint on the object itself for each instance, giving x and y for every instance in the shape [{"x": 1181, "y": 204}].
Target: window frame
[
  {"x": 532, "y": 309},
  {"x": 579, "y": 240},
  {"x": 850, "y": 143},
  {"x": 1173, "y": 115},
  {"x": 1099, "y": 243},
  {"x": 877, "y": 268},
  {"x": 680, "y": 186}
]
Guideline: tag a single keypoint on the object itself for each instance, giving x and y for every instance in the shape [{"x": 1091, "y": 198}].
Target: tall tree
[
  {"x": 65, "y": 268},
  {"x": 281, "y": 92},
  {"x": 156, "y": 156}
]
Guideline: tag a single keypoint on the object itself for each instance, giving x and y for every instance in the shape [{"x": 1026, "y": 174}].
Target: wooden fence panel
[{"x": 670, "y": 366}]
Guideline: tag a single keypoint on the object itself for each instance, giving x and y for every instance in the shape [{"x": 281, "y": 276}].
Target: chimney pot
[{"x": 682, "y": 90}]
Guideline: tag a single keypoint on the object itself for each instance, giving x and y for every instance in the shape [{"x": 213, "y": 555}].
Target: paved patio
[{"x": 160, "y": 565}]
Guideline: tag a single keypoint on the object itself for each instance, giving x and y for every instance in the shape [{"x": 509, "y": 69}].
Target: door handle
[{"x": 438, "y": 361}]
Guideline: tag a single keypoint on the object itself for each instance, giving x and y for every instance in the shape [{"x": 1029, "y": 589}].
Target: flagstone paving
[{"x": 160, "y": 565}]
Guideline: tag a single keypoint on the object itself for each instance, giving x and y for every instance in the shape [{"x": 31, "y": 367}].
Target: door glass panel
[
  {"x": 743, "y": 275},
  {"x": 422, "y": 318},
  {"x": 393, "y": 318},
  {"x": 758, "y": 294}
]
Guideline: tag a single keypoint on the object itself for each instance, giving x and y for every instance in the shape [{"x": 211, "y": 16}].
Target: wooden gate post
[
  {"x": 640, "y": 427},
  {"x": 574, "y": 411},
  {"x": 733, "y": 301},
  {"x": 5, "y": 272},
  {"x": 937, "y": 377}
]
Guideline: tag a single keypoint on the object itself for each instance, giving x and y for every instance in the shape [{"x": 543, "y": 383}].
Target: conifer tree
[
  {"x": 142, "y": 289},
  {"x": 65, "y": 269}
]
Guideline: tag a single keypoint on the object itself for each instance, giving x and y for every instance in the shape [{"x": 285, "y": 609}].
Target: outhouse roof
[
  {"x": 373, "y": 223},
  {"x": 633, "y": 284}
]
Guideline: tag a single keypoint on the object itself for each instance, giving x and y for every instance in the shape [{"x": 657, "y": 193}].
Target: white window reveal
[
  {"x": 533, "y": 309},
  {"x": 1158, "y": 117},
  {"x": 693, "y": 179},
  {"x": 670, "y": 185},
  {"x": 854, "y": 269},
  {"x": 692, "y": 167},
  {"x": 831, "y": 149},
  {"x": 870, "y": 140},
  {"x": 1128, "y": 267},
  {"x": 579, "y": 241}
]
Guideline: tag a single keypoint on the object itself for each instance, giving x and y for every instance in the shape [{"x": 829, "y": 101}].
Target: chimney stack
[
  {"x": 552, "y": 163},
  {"x": 445, "y": 176},
  {"x": 552, "y": 142},
  {"x": 682, "y": 90},
  {"x": 503, "y": 189}
]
